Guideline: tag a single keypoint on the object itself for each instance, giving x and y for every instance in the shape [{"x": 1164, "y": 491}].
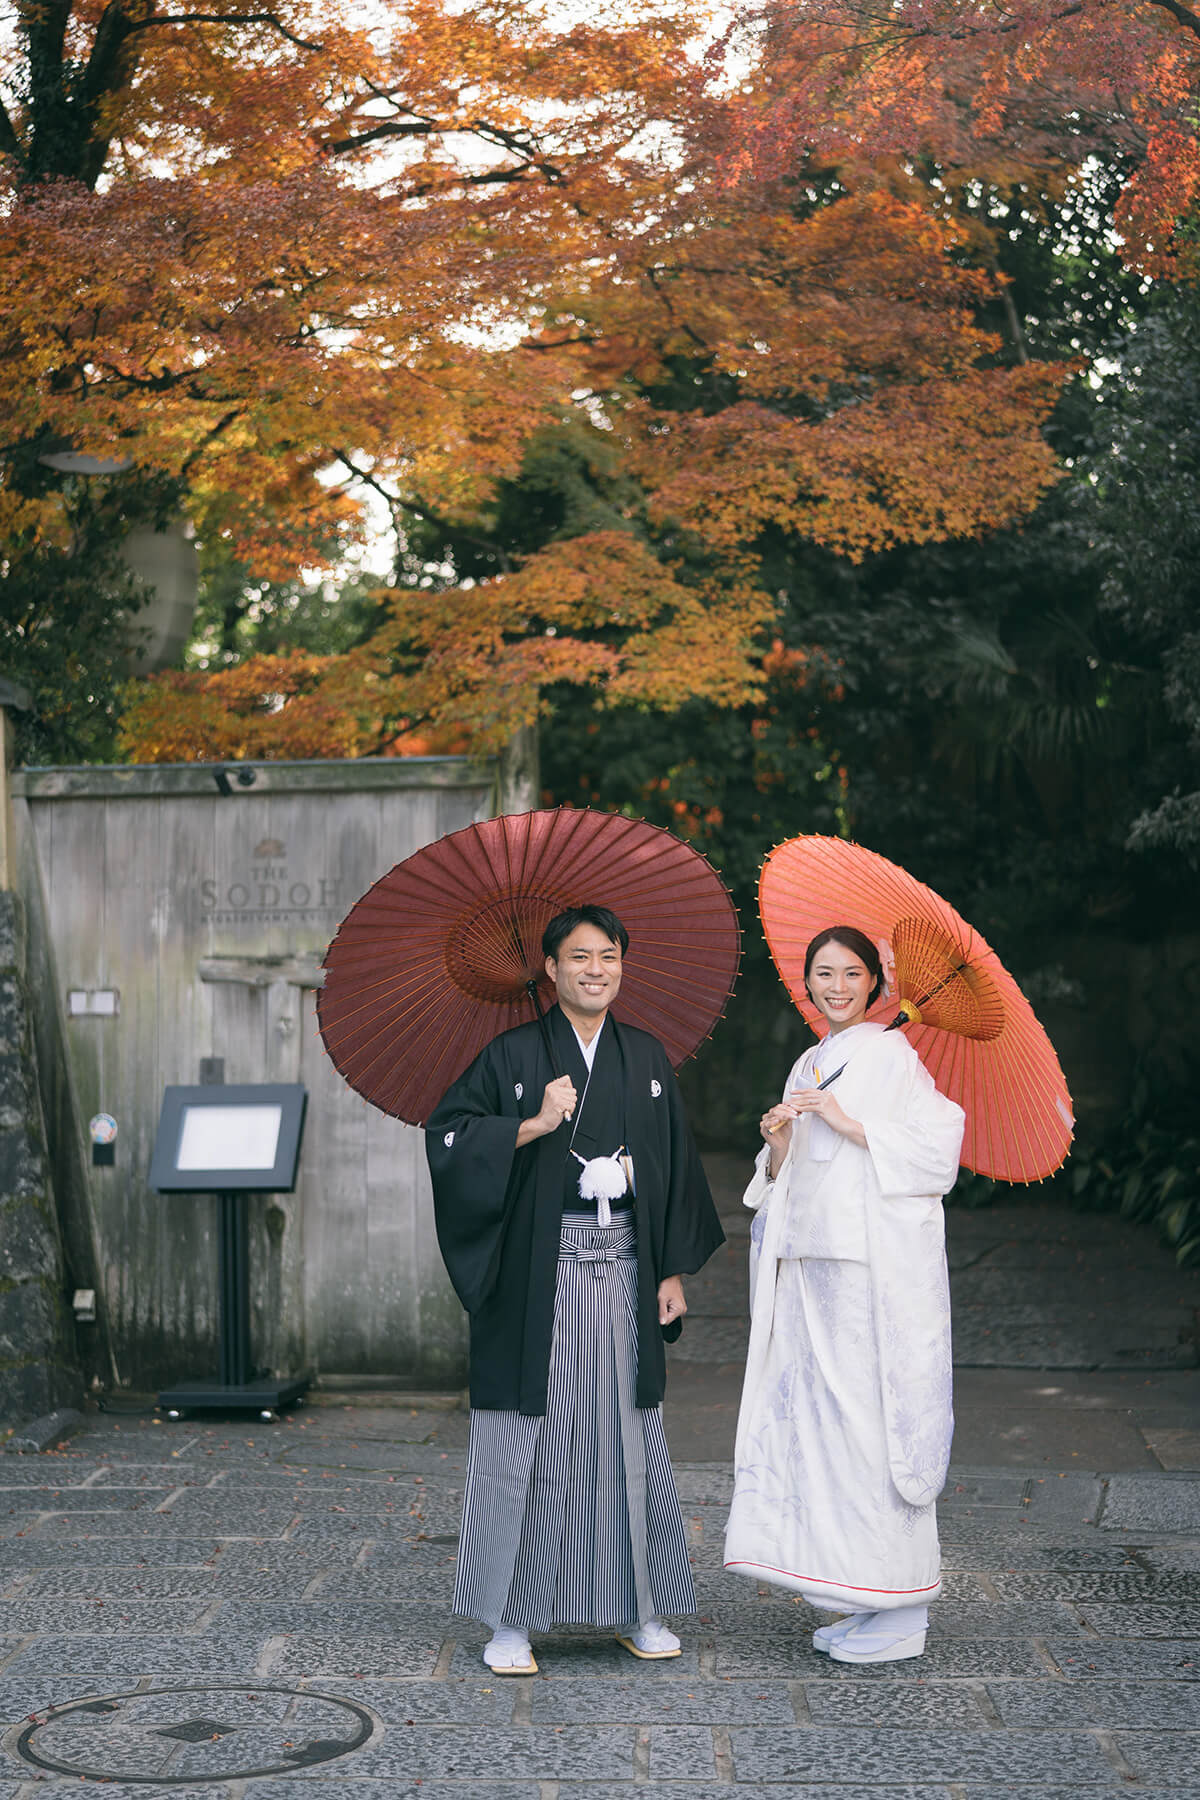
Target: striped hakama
[{"x": 572, "y": 1518}]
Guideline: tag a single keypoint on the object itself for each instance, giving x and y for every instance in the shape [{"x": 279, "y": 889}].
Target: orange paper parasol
[
  {"x": 966, "y": 1017},
  {"x": 445, "y": 950}
]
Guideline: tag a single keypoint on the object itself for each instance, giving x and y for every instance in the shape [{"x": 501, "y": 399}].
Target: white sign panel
[{"x": 228, "y": 1137}]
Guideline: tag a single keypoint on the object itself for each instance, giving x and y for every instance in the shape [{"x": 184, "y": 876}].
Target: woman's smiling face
[{"x": 840, "y": 985}]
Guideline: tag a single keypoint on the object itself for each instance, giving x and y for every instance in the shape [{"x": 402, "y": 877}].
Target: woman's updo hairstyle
[{"x": 859, "y": 944}]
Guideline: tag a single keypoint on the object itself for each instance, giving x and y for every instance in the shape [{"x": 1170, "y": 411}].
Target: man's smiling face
[{"x": 587, "y": 973}]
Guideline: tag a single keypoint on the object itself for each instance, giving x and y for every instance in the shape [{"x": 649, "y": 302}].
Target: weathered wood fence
[{"x": 177, "y": 922}]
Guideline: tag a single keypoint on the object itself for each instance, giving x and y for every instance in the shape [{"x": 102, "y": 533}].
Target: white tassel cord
[{"x": 602, "y": 1180}]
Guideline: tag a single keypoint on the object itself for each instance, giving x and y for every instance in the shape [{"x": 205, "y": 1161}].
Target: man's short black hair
[{"x": 564, "y": 923}]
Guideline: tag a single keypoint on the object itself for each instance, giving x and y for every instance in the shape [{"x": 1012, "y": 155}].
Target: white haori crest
[
  {"x": 655, "y": 1089},
  {"x": 519, "y": 1089},
  {"x": 602, "y": 1180},
  {"x": 448, "y": 1139}
]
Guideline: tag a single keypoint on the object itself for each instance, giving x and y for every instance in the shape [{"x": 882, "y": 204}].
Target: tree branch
[
  {"x": 1182, "y": 14},
  {"x": 9, "y": 142},
  {"x": 259, "y": 18},
  {"x": 223, "y": 424}
]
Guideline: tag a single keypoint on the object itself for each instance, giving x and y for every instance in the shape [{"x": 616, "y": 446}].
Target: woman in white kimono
[{"x": 844, "y": 1431}]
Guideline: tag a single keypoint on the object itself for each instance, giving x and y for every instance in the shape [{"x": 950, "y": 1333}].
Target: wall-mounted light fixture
[{"x": 244, "y": 776}]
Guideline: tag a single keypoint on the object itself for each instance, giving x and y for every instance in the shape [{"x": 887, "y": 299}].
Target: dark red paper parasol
[{"x": 437, "y": 957}]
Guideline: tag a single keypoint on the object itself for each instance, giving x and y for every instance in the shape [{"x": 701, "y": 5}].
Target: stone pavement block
[
  {"x": 1167, "y": 1559},
  {"x": 7, "y": 1647},
  {"x": 681, "y": 1753},
  {"x": 154, "y": 1527},
  {"x": 1056, "y": 1500},
  {"x": 944, "y": 1703},
  {"x": 831, "y": 1784},
  {"x": 318, "y": 1532},
  {"x": 1071, "y": 1793},
  {"x": 1032, "y": 1554},
  {"x": 754, "y": 1658},
  {"x": 784, "y": 1619},
  {"x": 395, "y": 1553},
  {"x": 313, "y": 1654},
  {"x": 239, "y": 1514},
  {"x": 118, "y": 1790},
  {"x": 484, "y": 1701},
  {"x": 124, "y": 1660},
  {"x": 994, "y": 1534},
  {"x": 392, "y": 1497},
  {"x": 720, "y": 1341},
  {"x": 578, "y": 1658},
  {"x": 1157, "y": 1705},
  {"x": 1152, "y": 1503},
  {"x": 1176, "y": 1447},
  {"x": 666, "y": 1702},
  {"x": 540, "y": 1753},
  {"x": 703, "y": 1484},
  {"x": 772, "y": 1755},
  {"x": 1118, "y": 1587},
  {"x": 202, "y": 1585},
  {"x": 278, "y": 1558},
  {"x": 710, "y": 1521},
  {"x": 998, "y": 1618},
  {"x": 1175, "y": 1758},
  {"x": 339, "y": 1787},
  {"x": 325, "y": 1617},
  {"x": 434, "y": 1585},
  {"x": 43, "y": 1552},
  {"x": 1002, "y": 1490},
  {"x": 1131, "y": 1620},
  {"x": 55, "y": 1614},
  {"x": 399, "y": 1460},
  {"x": 84, "y": 1500},
  {"x": 59, "y": 1472},
  {"x": 1114, "y": 1659},
  {"x": 19, "y": 1698}
]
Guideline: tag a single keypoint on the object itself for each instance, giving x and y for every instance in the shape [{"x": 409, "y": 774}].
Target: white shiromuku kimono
[{"x": 844, "y": 1431}]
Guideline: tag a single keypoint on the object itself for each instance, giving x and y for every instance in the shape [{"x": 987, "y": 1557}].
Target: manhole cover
[{"x": 190, "y": 1734}]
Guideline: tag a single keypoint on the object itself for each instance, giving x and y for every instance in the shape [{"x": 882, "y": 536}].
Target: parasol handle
[
  {"x": 909, "y": 1014},
  {"x": 531, "y": 989}
]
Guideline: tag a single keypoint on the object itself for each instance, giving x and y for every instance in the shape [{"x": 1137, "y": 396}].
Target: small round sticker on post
[{"x": 102, "y": 1129}]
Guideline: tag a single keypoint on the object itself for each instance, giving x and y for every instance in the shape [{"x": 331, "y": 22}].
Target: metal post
[{"x": 235, "y": 1291}]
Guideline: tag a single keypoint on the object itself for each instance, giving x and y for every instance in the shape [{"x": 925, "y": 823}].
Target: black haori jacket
[{"x": 499, "y": 1209}]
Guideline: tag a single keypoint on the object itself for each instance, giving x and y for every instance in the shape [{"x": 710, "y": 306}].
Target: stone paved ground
[{"x": 217, "y": 1609}]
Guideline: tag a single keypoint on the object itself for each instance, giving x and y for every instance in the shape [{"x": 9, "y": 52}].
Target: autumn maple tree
[
  {"x": 1020, "y": 91},
  {"x": 241, "y": 247}
]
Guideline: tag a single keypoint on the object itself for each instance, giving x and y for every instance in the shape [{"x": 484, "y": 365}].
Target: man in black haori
[{"x": 570, "y": 1199}]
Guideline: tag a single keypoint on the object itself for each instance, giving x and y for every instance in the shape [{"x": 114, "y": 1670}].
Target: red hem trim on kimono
[{"x": 823, "y": 1581}]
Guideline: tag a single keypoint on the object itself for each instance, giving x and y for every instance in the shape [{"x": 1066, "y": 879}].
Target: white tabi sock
[
  {"x": 652, "y": 1637},
  {"x": 507, "y": 1648},
  {"x": 889, "y": 1636},
  {"x": 825, "y": 1635}
]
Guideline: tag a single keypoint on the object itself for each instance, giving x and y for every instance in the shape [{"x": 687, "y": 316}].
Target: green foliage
[
  {"x": 1148, "y": 1167},
  {"x": 1146, "y": 520},
  {"x": 571, "y": 481},
  {"x": 239, "y": 614},
  {"x": 68, "y": 614}
]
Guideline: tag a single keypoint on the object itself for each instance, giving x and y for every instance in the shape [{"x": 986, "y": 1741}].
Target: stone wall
[{"x": 38, "y": 1364}]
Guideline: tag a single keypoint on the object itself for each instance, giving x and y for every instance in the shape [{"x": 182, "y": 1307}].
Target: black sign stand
[{"x": 235, "y": 1389}]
